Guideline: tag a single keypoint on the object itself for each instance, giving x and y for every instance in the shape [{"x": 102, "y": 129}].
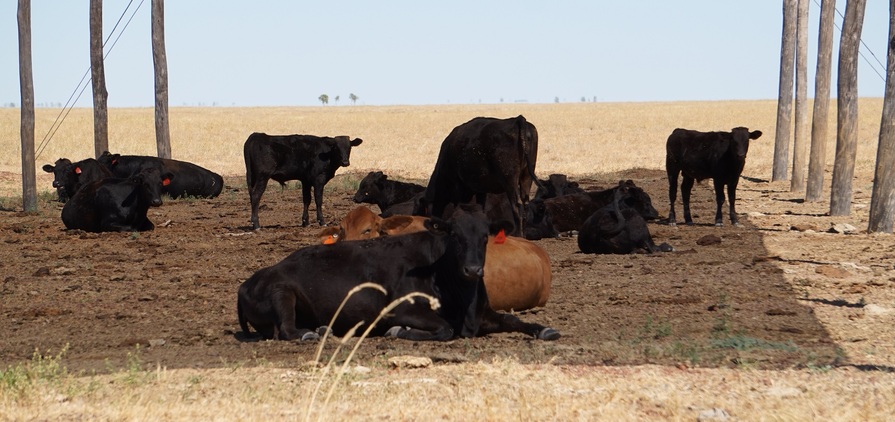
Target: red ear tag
[
  {"x": 500, "y": 238},
  {"x": 330, "y": 240},
  {"x": 115, "y": 161},
  {"x": 77, "y": 170},
  {"x": 166, "y": 182}
]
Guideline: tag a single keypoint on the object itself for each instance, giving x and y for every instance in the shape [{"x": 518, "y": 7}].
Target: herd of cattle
[{"x": 465, "y": 239}]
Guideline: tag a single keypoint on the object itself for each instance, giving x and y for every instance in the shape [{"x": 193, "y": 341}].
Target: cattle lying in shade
[
  {"x": 376, "y": 188},
  {"x": 617, "y": 229},
  {"x": 68, "y": 177},
  {"x": 484, "y": 155},
  {"x": 557, "y": 185},
  {"x": 697, "y": 156},
  {"x": 114, "y": 204},
  {"x": 295, "y": 297},
  {"x": 189, "y": 179},
  {"x": 567, "y": 213},
  {"x": 312, "y": 160},
  {"x": 517, "y": 272}
]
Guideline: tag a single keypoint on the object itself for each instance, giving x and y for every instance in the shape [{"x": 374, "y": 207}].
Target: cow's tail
[
  {"x": 247, "y": 155},
  {"x": 525, "y": 139},
  {"x": 243, "y": 322}
]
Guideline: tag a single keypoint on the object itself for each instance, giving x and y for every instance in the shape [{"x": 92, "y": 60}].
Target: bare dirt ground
[{"x": 778, "y": 292}]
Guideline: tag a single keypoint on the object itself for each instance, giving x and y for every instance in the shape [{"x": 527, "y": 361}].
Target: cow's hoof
[
  {"x": 324, "y": 330},
  {"x": 719, "y": 224},
  {"x": 548, "y": 334},
  {"x": 394, "y": 331},
  {"x": 689, "y": 223},
  {"x": 664, "y": 247},
  {"x": 672, "y": 224},
  {"x": 310, "y": 335}
]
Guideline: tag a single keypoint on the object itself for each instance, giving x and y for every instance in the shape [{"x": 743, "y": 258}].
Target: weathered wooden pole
[
  {"x": 847, "y": 113},
  {"x": 818, "y": 161},
  {"x": 784, "y": 99},
  {"x": 800, "y": 144},
  {"x": 882, "y": 203},
  {"x": 160, "y": 63},
  {"x": 26, "y": 84},
  {"x": 98, "y": 73}
]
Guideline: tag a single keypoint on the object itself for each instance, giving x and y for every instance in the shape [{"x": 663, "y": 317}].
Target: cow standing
[
  {"x": 484, "y": 155},
  {"x": 68, "y": 177},
  {"x": 294, "y": 297},
  {"x": 113, "y": 204},
  {"x": 617, "y": 229},
  {"x": 719, "y": 156},
  {"x": 190, "y": 179},
  {"x": 312, "y": 160}
]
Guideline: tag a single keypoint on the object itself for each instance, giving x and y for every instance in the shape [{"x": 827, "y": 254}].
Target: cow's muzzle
[
  {"x": 57, "y": 184},
  {"x": 473, "y": 271}
]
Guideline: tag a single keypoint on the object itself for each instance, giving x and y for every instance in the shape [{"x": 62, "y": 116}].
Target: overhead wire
[{"x": 70, "y": 103}]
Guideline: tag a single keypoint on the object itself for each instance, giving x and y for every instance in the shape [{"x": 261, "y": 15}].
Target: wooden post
[
  {"x": 26, "y": 83},
  {"x": 818, "y": 162},
  {"x": 800, "y": 145},
  {"x": 784, "y": 99},
  {"x": 847, "y": 113},
  {"x": 882, "y": 203},
  {"x": 98, "y": 73},
  {"x": 160, "y": 63}
]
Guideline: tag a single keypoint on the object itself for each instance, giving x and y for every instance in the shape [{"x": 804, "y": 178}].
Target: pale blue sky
[{"x": 258, "y": 53}]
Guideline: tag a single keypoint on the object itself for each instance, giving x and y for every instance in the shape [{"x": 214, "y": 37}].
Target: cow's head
[
  {"x": 61, "y": 169},
  {"x": 637, "y": 199},
  {"x": 740, "y": 138},
  {"x": 469, "y": 237},
  {"x": 108, "y": 159},
  {"x": 343, "y": 145},
  {"x": 149, "y": 183},
  {"x": 370, "y": 187}
]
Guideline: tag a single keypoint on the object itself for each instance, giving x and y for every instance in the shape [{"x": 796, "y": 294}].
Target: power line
[
  {"x": 876, "y": 70},
  {"x": 66, "y": 109}
]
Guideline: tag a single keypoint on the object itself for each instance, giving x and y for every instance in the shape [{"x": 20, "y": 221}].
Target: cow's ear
[
  {"x": 755, "y": 134},
  {"x": 48, "y": 168},
  {"x": 330, "y": 235},
  {"x": 394, "y": 224},
  {"x": 356, "y": 142}
]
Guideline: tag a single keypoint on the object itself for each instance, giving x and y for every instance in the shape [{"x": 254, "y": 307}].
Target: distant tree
[
  {"x": 353, "y": 98},
  {"x": 583, "y": 100},
  {"x": 324, "y": 99},
  {"x": 556, "y": 100},
  {"x": 337, "y": 100}
]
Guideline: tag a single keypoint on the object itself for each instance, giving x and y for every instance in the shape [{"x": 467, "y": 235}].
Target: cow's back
[{"x": 696, "y": 154}]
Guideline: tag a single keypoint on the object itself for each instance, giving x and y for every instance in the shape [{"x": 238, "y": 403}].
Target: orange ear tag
[
  {"x": 77, "y": 170},
  {"x": 166, "y": 182},
  {"x": 500, "y": 238},
  {"x": 330, "y": 240}
]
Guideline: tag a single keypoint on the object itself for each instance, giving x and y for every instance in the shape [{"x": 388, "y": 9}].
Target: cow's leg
[
  {"x": 418, "y": 325},
  {"x": 686, "y": 188},
  {"x": 306, "y": 201},
  {"x": 318, "y": 201},
  {"x": 719, "y": 200},
  {"x": 672, "y": 196},
  {"x": 284, "y": 307},
  {"x": 499, "y": 322},
  {"x": 256, "y": 189},
  {"x": 732, "y": 197}
]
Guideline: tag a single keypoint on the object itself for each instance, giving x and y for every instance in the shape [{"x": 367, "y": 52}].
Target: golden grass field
[
  {"x": 577, "y": 139},
  {"x": 574, "y": 138}
]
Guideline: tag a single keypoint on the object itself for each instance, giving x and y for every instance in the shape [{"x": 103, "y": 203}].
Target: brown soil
[{"x": 766, "y": 296}]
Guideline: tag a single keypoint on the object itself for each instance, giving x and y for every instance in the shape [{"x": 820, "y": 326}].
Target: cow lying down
[
  {"x": 517, "y": 272},
  {"x": 113, "y": 204},
  {"x": 618, "y": 229},
  {"x": 293, "y": 298}
]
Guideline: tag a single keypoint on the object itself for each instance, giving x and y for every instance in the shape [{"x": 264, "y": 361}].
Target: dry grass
[{"x": 576, "y": 139}]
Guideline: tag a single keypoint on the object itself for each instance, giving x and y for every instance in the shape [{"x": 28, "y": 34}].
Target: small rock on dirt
[
  {"x": 832, "y": 271},
  {"x": 842, "y": 228},
  {"x": 803, "y": 227},
  {"x": 708, "y": 240},
  {"x": 714, "y": 414},
  {"x": 409, "y": 362}
]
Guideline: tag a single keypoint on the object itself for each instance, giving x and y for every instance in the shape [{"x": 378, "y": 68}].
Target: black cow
[
  {"x": 617, "y": 229},
  {"x": 719, "y": 156},
  {"x": 569, "y": 212},
  {"x": 312, "y": 160},
  {"x": 294, "y": 297},
  {"x": 485, "y": 155},
  {"x": 190, "y": 180},
  {"x": 557, "y": 185},
  {"x": 377, "y": 189},
  {"x": 114, "y": 204},
  {"x": 69, "y": 177}
]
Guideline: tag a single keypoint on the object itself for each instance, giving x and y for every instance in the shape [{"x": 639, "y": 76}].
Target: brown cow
[{"x": 517, "y": 272}]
